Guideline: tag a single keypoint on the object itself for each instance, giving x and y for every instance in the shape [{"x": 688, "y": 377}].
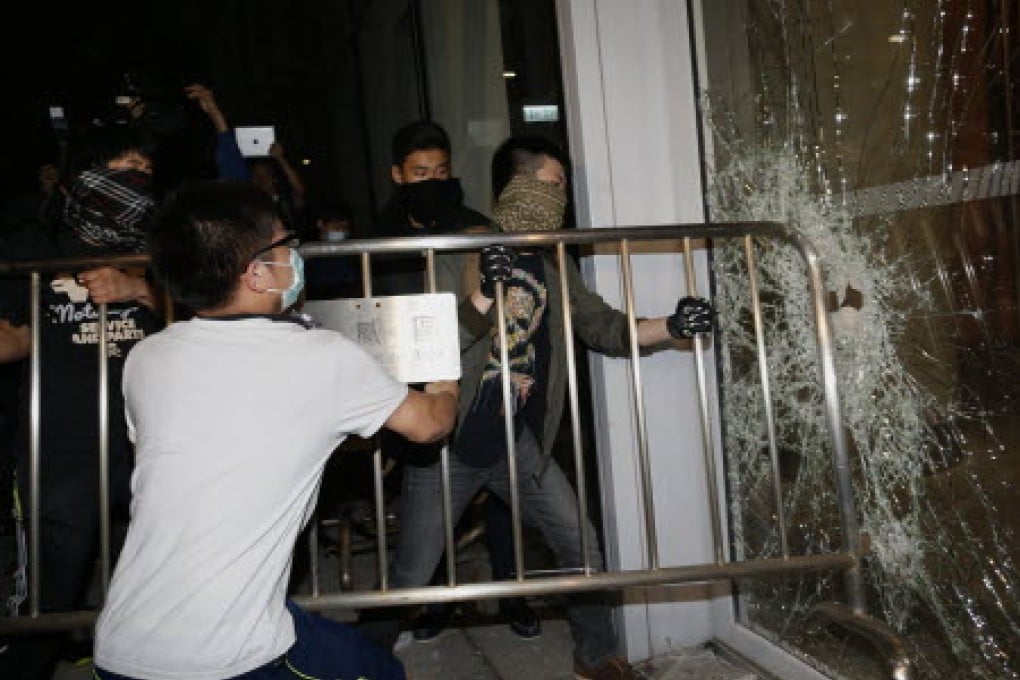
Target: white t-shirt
[{"x": 233, "y": 421}]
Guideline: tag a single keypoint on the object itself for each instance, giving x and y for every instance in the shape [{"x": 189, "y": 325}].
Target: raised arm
[
  {"x": 229, "y": 161},
  {"x": 205, "y": 99},
  {"x": 426, "y": 417}
]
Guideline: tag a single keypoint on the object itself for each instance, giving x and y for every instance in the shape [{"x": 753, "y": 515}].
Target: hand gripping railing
[{"x": 851, "y": 616}]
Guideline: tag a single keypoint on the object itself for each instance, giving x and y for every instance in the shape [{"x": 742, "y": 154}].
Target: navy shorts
[{"x": 324, "y": 650}]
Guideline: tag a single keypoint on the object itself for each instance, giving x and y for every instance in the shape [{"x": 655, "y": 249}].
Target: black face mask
[{"x": 431, "y": 201}]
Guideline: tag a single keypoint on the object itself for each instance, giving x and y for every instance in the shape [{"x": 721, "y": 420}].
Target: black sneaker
[
  {"x": 522, "y": 619},
  {"x": 431, "y": 622}
]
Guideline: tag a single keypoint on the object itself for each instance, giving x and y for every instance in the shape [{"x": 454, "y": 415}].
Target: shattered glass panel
[{"x": 887, "y": 135}]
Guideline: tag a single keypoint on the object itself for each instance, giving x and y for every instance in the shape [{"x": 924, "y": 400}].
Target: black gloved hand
[
  {"x": 693, "y": 315},
  {"x": 495, "y": 264}
]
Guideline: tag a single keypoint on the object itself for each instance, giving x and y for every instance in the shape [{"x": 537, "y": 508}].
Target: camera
[
  {"x": 164, "y": 103},
  {"x": 151, "y": 88}
]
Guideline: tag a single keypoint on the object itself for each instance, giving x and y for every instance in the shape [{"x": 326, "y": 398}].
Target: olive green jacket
[{"x": 595, "y": 323}]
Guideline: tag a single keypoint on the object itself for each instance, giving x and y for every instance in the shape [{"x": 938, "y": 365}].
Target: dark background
[
  {"x": 268, "y": 63},
  {"x": 336, "y": 78}
]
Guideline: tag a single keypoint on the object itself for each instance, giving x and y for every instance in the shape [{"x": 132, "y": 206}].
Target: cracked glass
[{"x": 885, "y": 133}]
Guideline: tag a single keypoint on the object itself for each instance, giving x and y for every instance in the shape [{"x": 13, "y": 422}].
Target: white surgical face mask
[
  {"x": 289, "y": 295},
  {"x": 332, "y": 235}
]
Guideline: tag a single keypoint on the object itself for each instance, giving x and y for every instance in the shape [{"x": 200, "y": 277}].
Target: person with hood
[
  {"x": 530, "y": 179},
  {"x": 107, "y": 206}
]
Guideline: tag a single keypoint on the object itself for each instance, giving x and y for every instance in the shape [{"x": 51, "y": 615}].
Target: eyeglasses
[{"x": 289, "y": 239}]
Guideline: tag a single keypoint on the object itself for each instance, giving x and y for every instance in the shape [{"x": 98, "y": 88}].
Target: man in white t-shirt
[{"x": 233, "y": 414}]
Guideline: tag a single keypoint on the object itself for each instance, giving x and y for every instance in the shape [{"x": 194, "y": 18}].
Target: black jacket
[{"x": 405, "y": 274}]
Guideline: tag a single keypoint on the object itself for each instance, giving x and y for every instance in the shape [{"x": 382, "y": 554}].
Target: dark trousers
[
  {"x": 68, "y": 547},
  {"x": 548, "y": 505},
  {"x": 499, "y": 541},
  {"x": 499, "y": 538}
]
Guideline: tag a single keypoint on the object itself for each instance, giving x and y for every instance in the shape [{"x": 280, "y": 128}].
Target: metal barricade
[{"x": 851, "y": 616}]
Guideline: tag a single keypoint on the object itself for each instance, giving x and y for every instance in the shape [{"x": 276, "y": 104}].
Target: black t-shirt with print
[
  {"x": 69, "y": 358},
  {"x": 481, "y": 438}
]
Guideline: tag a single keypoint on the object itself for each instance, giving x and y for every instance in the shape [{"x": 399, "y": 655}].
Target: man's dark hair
[
  {"x": 522, "y": 154},
  {"x": 419, "y": 135},
  {"x": 104, "y": 143},
  {"x": 204, "y": 236}
]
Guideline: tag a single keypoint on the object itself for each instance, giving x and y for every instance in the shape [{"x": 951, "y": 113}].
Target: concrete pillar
[{"x": 630, "y": 105}]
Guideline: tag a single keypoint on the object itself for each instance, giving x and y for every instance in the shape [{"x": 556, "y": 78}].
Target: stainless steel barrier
[{"x": 851, "y": 616}]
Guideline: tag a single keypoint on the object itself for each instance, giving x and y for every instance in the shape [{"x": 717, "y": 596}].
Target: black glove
[
  {"x": 693, "y": 315},
  {"x": 495, "y": 264}
]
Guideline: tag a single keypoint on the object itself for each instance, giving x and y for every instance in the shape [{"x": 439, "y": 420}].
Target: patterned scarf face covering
[
  {"x": 107, "y": 208},
  {"x": 529, "y": 204}
]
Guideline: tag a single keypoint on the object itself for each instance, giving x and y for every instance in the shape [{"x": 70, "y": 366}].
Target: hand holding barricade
[
  {"x": 496, "y": 264},
  {"x": 692, "y": 316}
]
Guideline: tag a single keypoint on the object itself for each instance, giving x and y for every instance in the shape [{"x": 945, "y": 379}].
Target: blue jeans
[{"x": 548, "y": 505}]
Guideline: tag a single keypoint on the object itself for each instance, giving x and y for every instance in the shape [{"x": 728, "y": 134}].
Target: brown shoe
[{"x": 615, "y": 668}]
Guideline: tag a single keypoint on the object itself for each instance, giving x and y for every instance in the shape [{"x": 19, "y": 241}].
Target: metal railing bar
[
  {"x": 448, "y": 242},
  {"x": 366, "y": 274},
  {"x": 555, "y": 571},
  {"x": 382, "y": 558},
  {"x": 508, "y": 422},
  {"x": 35, "y": 428},
  {"x": 575, "y": 413},
  {"x": 881, "y": 636},
  {"x": 430, "y": 270},
  {"x": 475, "y": 241},
  {"x": 699, "y": 573},
  {"x": 711, "y": 476},
  {"x": 380, "y": 517},
  {"x": 444, "y": 455},
  {"x": 104, "y": 452},
  {"x": 451, "y": 542},
  {"x": 651, "y": 537},
  {"x": 849, "y": 527},
  {"x": 766, "y": 391}
]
